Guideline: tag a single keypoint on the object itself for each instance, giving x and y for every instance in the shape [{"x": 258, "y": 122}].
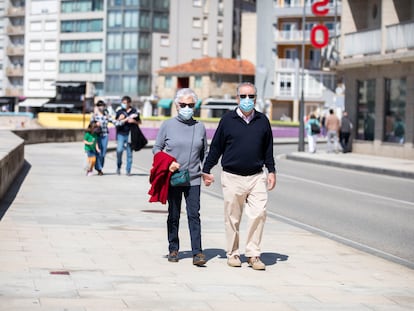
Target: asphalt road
[{"x": 371, "y": 212}]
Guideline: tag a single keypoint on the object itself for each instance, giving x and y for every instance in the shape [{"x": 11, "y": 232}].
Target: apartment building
[
  {"x": 72, "y": 50},
  {"x": 377, "y": 63},
  {"x": 283, "y": 32}
]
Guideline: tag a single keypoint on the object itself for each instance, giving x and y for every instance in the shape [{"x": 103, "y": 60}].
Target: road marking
[{"x": 348, "y": 190}]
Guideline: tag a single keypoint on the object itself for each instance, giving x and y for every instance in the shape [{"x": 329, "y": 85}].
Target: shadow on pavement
[{"x": 11, "y": 193}]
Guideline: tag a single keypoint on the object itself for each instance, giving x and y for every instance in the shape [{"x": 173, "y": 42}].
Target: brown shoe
[
  {"x": 256, "y": 263},
  {"x": 173, "y": 256},
  {"x": 234, "y": 261},
  {"x": 199, "y": 259}
]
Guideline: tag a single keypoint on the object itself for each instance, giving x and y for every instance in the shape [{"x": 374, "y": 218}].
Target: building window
[
  {"x": 220, "y": 10},
  {"x": 35, "y": 26},
  {"x": 50, "y": 45},
  {"x": 196, "y": 22},
  {"x": 94, "y": 66},
  {"x": 49, "y": 65},
  {"x": 220, "y": 28},
  {"x": 168, "y": 82},
  {"x": 130, "y": 62},
  {"x": 165, "y": 41},
  {"x": 93, "y": 25},
  {"x": 144, "y": 63},
  {"x": 161, "y": 22},
  {"x": 219, "y": 48},
  {"x": 144, "y": 85},
  {"x": 35, "y": 45},
  {"x": 34, "y": 65},
  {"x": 198, "y": 82},
  {"x": 81, "y": 6},
  {"x": 196, "y": 43},
  {"x": 285, "y": 84},
  {"x": 395, "y": 103},
  {"x": 163, "y": 62},
  {"x": 144, "y": 20},
  {"x": 81, "y": 46},
  {"x": 130, "y": 84},
  {"x": 131, "y": 19},
  {"x": 366, "y": 110},
  {"x": 113, "y": 62},
  {"x": 114, "y": 41},
  {"x": 112, "y": 84},
  {"x": 50, "y": 25},
  {"x": 144, "y": 41},
  {"x": 130, "y": 40},
  {"x": 197, "y": 3},
  {"x": 115, "y": 19}
]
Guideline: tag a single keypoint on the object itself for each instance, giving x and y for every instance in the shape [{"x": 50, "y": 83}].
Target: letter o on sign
[{"x": 325, "y": 36}]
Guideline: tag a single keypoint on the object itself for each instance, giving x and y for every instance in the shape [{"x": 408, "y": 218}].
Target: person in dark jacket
[
  {"x": 126, "y": 117},
  {"x": 345, "y": 132},
  {"x": 244, "y": 141}
]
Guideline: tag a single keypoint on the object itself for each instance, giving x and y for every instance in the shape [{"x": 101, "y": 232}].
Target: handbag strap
[{"x": 191, "y": 148}]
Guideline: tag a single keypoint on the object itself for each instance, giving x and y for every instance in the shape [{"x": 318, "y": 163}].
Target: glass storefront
[
  {"x": 366, "y": 110},
  {"x": 395, "y": 103}
]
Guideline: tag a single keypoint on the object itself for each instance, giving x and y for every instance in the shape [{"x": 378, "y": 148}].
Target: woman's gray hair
[{"x": 184, "y": 93}]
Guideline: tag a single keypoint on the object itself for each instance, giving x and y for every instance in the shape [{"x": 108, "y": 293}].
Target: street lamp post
[{"x": 301, "y": 145}]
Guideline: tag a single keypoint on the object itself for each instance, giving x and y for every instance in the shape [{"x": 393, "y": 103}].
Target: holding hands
[{"x": 208, "y": 179}]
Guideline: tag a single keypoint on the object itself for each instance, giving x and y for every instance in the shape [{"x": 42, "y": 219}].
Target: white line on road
[{"x": 347, "y": 189}]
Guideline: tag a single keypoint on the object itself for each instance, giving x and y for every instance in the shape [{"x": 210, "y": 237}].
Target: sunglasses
[
  {"x": 182, "y": 105},
  {"x": 251, "y": 96}
]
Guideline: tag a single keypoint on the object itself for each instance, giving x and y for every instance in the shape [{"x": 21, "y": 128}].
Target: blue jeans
[
  {"x": 100, "y": 157},
  {"x": 122, "y": 143},
  {"x": 192, "y": 200}
]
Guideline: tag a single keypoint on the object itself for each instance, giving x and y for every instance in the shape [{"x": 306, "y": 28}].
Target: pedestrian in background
[
  {"x": 313, "y": 129},
  {"x": 101, "y": 115},
  {"x": 91, "y": 147},
  {"x": 332, "y": 125},
  {"x": 244, "y": 141},
  {"x": 184, "y": 139},
  {"x": 345, "y": 132},
  {"x": 126, "y": 117}
]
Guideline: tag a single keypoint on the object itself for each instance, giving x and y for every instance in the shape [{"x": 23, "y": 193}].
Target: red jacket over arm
[{"x": 160, "y": 177}]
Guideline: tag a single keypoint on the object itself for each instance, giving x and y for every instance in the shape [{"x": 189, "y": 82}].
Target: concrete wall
[{"x": 11, "y": 159}]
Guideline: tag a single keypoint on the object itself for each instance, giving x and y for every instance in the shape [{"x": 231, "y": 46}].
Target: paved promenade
[{"x": 71, "y": 242}]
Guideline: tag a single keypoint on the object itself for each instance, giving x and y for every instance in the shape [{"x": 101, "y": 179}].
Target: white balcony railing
[
  {"x": 289, "y": 84},
  {"x": 362, "y": 43},
  {"x": 400, "y": 36},
  {"x": 290, "y": 36}
]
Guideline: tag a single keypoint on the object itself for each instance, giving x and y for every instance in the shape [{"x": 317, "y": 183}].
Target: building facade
[
  {"x": 377, "y": 64},
  {"x": 78, "y": 49},
  {"x": 283, "y": 32}
]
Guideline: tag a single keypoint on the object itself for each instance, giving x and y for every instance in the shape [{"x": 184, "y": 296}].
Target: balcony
[
  {"x": 16, "y": 71},
  {"x": 14, "y": 91},
  {"x": 15, "y": 30},
  {"x": 15, "y": 50},
  {"x": 295, "y": 9},
  {"x": 16, "y": 11},
  {"x": 296, "y": 36},
  {"x": 286, "y": 64},
  {"x": 399, "y": 37},
  {"x": 289, "y": 84},
  {"x": 356, "y": 43}
]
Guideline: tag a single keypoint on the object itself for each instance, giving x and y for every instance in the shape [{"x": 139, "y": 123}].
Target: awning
[
  {"x": 34, "y": 102},
  {"x": 165, "y": 103},
  {"x": 58, "y": 105},
  {"x": 198, "y": 104}
]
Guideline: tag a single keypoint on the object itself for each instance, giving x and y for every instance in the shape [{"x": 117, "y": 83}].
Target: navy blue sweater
[{"x": 245, "y": 148}]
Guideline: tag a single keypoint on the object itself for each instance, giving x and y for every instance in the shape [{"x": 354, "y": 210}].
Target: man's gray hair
[
  {"x": 246, "y": 84},
  {"x": 184, "y": 93}
]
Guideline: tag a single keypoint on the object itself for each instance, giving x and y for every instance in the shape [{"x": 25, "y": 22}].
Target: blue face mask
[
  {"x": 246, "y": 104},
  {"x": 186, "y": 113},
  {"x": 123, "y": 106}
]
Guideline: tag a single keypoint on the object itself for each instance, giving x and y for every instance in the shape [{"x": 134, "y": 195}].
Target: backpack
[{"x": 315, "y": 129}]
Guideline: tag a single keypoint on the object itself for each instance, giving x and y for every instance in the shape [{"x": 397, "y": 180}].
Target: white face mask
[{"x": 186, "y": 113}]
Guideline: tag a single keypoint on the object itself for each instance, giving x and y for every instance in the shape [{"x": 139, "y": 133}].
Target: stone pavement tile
[
  {"x": 96, "y": 303},
  {"x": 19, "y": 304}
]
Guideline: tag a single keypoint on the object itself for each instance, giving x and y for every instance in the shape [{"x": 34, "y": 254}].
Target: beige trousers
[{"x": 238, "y": 191}]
